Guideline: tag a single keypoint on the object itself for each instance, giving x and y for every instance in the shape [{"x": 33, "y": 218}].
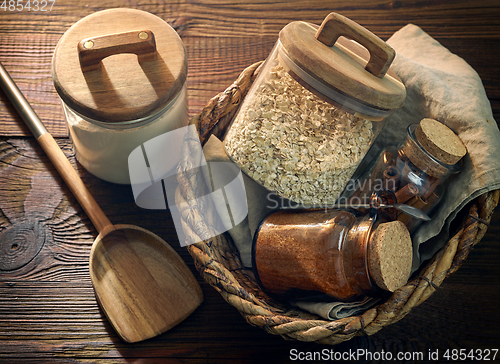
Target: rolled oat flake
[{"x": 315, "y": 109}]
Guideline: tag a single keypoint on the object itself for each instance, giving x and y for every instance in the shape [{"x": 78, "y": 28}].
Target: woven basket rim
[{"x": 217, "y": 260}]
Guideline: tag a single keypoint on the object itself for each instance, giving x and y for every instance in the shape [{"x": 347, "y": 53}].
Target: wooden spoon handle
[
  {"x": 336, "y": 25},
  {"x": 74, "y": 182},
  {"x": 55, "y": 154}
]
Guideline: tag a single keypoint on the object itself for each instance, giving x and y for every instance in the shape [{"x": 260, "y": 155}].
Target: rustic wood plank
[
  {"x": 48, "y": 309},
  {"x": 215, "y": 63},
  {"x": 74, "y": 328},
  {"x": 263, "y": 17},
  {"x": 233, "y": 35}
]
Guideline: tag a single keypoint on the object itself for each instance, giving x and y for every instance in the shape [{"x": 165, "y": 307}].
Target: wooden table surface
[{"x": 48, "y": 311}]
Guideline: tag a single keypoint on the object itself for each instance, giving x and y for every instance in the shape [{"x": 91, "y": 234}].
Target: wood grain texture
[
  {"x": 74, "y": 182},
  {"x": 48, "y": 311},
  {"x": 360, "y": 79},
  {"x": 91, "y": 51},
  {"x": 336, "y": 25},
  {"x": 141, "y": 283},
  {"x": 223, "y": 37},
  {"x": 109, "y": 83}
]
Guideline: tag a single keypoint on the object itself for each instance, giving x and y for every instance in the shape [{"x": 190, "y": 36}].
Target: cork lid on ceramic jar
[
  {"x": 119, "y": 65},
  {"x": 345, "y": 63}
]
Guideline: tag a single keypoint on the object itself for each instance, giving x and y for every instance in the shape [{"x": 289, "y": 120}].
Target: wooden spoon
[{"x": 143, "y": 286}]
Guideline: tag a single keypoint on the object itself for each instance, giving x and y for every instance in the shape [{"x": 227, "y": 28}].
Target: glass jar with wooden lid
[
  {"x": 316, "y": 107},
  {"x": 121, "y": 76}
]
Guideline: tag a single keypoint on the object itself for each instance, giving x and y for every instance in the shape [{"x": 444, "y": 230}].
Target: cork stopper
[
  {"x": 390, "y": 255},
  {"x": 440, "y": 141}
]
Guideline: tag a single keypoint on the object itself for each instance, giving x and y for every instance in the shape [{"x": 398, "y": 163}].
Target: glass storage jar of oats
[
  {"x": 120, "y": 74},
  {"x": 315, "y": 109}
]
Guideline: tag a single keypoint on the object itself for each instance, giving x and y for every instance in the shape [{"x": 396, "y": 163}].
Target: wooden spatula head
[{"x": 144, "y": 287}]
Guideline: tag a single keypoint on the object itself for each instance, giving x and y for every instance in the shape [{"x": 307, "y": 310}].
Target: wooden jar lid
[
  {"x": 97, "y": 74},
  {"x": 390, "y": 255},
  {"x": 440, "y": 141},
  {"x": 359, "y": 72}
]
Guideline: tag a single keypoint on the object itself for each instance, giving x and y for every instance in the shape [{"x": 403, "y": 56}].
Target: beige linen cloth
[{"x": 441, "y": 86}]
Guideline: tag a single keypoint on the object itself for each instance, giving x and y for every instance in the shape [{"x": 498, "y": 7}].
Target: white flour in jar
[{"x": 103, "y": 148}]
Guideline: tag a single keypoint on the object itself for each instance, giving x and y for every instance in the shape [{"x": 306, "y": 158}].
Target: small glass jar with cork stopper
[
  {"x": 417, "y": 170},
  {"x": 305, "y": 253}
]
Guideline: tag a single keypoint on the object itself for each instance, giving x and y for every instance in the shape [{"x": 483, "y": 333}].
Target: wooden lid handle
[
  {"x": 92, "y": 51},
  {"x": 336, "y": 25}
]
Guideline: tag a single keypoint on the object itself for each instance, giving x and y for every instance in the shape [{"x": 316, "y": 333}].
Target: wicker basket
[{"x": 218, "y": 261}]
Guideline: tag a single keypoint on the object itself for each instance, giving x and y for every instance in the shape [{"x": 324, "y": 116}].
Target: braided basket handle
[{"x": 217, "y": 114}]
